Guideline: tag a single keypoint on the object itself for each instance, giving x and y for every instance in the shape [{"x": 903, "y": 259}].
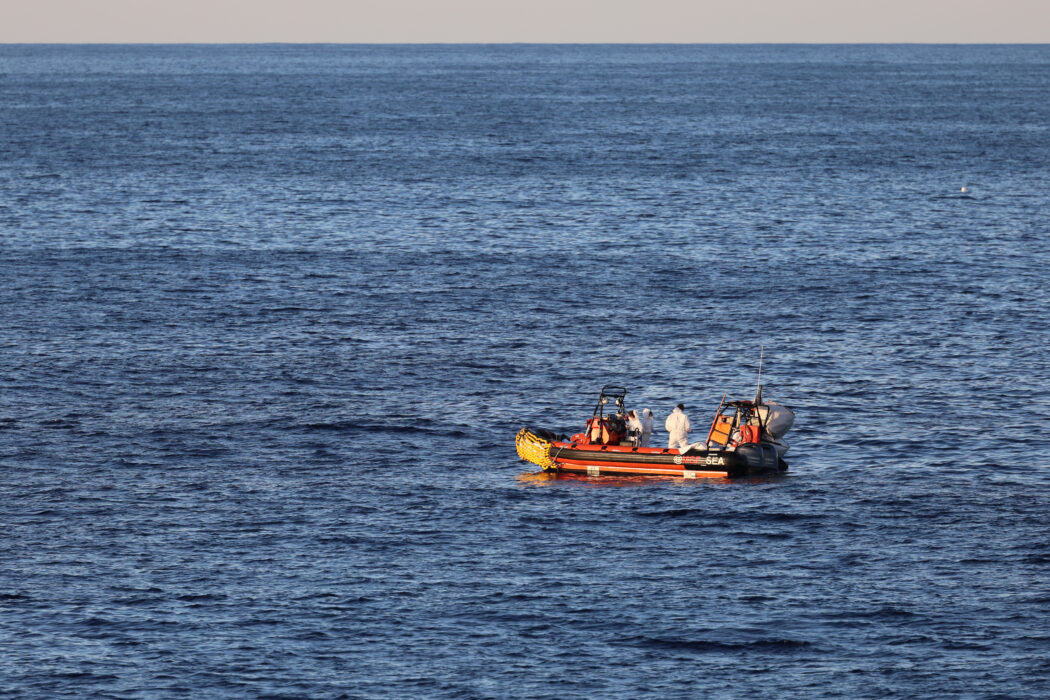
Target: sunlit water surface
[{"x": 271, "y": 317}]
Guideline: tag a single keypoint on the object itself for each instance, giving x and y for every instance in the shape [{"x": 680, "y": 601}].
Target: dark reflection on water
[{"x": 272, "y": 316}]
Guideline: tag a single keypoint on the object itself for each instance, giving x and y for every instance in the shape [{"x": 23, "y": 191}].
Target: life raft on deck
[{"x": 742, "y": 441}]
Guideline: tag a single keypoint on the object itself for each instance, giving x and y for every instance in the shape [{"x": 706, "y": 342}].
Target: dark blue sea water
[{"x": 272, "y": 315}]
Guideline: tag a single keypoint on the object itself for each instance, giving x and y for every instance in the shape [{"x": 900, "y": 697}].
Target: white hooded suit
[
  {"x": 678, "y": 428},
  {"x": 647, "y": 428},
  {"x": 634, "y": 424}
]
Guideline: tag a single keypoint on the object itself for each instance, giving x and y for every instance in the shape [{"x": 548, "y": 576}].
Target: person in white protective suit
[
  {"x": 678, "y": 428},
  {"x": 647, "y": 427},
  {"x": 634, "y": 426}
]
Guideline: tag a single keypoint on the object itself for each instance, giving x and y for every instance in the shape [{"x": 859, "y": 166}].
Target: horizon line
[{"x": 523, "y": 43}]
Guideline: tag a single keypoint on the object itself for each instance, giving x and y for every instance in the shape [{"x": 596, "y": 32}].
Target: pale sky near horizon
[{"x": 540, "y": 21}]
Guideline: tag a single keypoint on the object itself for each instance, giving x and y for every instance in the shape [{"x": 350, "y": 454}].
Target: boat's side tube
[{"x": 760, "y": 457}]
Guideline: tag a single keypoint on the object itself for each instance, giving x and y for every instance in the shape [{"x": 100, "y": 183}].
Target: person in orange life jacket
[{"x": 678, "y": 428}]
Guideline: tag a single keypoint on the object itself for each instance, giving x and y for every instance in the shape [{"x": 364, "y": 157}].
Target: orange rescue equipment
[
  {"x": 721, "y": 429},
  {"x": 600, "y": 431},
  {"x": 749, "y": 433}
]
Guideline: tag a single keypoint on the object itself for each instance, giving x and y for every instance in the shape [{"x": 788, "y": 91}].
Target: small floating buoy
[{"x": 963, "y": 189}]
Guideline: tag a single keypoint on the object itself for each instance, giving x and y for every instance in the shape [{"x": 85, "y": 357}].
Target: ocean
[{"x": 273, "y": 314}]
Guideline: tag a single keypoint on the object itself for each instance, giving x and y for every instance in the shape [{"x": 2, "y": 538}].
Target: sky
[{"x": 540, "y": 21}]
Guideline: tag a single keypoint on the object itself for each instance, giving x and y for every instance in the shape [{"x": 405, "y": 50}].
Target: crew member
[
  {"x": 678, "y": 428},
  {"x": 634, "y": 427},
  {"x": 647, "y": 428}
]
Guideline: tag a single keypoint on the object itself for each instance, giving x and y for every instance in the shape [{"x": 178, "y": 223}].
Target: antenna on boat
[{"x": 758, "y": 392}]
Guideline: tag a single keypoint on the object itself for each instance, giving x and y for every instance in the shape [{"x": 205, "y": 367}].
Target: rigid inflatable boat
[{"x": 744, "y": 440}]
